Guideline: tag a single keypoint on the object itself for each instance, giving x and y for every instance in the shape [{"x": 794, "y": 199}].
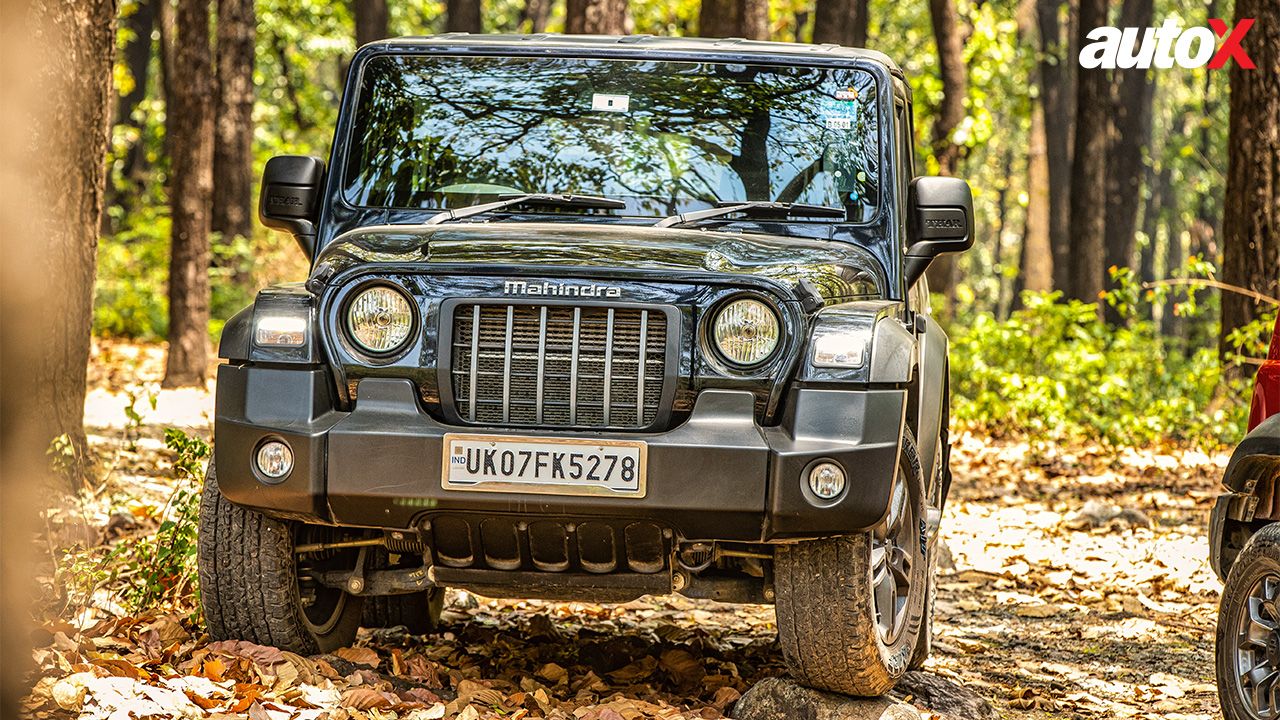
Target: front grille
[{"x": 558, "y": 365}]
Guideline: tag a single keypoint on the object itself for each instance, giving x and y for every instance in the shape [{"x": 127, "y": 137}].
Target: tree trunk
[
  {"x": 48, "y": 273},
  {"x": 595, "y": 17},
  {"x": 951, "y": 69},
  {"x": 1089, "y": 173},
  {"x": 462, "y": 16},
  {"x": 189, "y": 125},
  {"x": 1035, "y": 257},
  {"x": 535, "y": 12},
  {"x": 372, "y": 21},
  {"x": 1151, "y": 210},
  {"x": 1251, "y": 226},
  {"x": 734, "y": 18},
  {"x": 137, "y": 58},
  {"x": 1036, "y": 271},
  {"x": 1132, "y": 118},
  {"x": 233, "y": 139},
  {"x": 168, "y": 64},
  {"x": 843, "y": 22},
  {"x": 1057, "y": 98},
  {"x": 1002, "y": 216},
  {"x": 1174, "y": 256},
  {"x": 1204, "y": 231}
]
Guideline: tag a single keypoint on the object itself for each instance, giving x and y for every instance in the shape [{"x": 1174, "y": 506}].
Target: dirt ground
[{"x": 1078, "y": 586}]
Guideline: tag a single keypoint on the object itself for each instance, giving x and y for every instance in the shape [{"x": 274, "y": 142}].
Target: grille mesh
[{"x": 558, "y": 365}]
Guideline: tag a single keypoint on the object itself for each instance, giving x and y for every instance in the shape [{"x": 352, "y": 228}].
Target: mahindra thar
[{"x": 591, "y": 318}]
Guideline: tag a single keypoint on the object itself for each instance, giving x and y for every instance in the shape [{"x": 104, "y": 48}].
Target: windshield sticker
[
  {"x": 847, "y": 94},
  {"x": 839, "y": 114},
  {"x": 600, "y": 102}
]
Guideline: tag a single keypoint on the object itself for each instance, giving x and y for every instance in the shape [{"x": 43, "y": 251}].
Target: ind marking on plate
[
  {"x": 561, "y": 466},
  {"x": 601, "y": 102}
]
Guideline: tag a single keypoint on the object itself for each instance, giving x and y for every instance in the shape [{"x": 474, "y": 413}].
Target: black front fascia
[
  {"x": 881, "y": 236},
  {"x": 693, "y": 295}
]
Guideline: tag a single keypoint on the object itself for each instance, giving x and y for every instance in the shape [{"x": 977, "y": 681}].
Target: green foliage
[
  {"x": 133, "y": 416},
  {"x": 1055, "y": 371},
  {"x": 162, "y": 568},
  {"x": 133, "y": 270},
  {"x": 68, "y": 460}
]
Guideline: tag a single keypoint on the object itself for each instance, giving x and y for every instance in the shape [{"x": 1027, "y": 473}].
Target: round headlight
[
  {"x": 380, "y": 319},
  {"x": 746, "y": 332}
]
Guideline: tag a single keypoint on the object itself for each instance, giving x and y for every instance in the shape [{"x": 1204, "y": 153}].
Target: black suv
[{"x": 589, "y": 318}]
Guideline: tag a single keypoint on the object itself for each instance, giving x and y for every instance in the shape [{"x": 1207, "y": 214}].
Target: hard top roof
[{"x": 733, "y": 47}]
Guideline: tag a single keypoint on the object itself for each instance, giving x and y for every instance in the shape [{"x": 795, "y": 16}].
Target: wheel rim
[
  {"x": 895, "y": 550},
  {"x": 1257, "y": 649},
  {"x": 322, "y": 607}
]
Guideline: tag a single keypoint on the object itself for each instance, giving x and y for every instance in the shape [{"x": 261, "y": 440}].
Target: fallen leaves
[{"x": 359, "y": 656}]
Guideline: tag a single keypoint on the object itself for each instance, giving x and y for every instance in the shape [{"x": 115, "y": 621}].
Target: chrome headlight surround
[
  {"x": 379, "y": 319},
  {"x": 751, "y": 323}
]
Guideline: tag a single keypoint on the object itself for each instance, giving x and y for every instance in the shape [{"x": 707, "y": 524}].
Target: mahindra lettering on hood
[{"x": 1116, "y": 48}]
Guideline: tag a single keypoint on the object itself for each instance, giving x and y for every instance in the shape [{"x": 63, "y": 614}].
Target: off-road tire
[
  {"x": 249, "y": 582},
  {"x": 826, "y": 612},
  {"x": 937, "y": 499},
  {"x": 924, "y": 639},
  {"x": 1259, "y": 558},
  {"x": 419, "y": 612}
]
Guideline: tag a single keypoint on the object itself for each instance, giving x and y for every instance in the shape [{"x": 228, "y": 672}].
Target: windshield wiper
[
  {"x": 753, "y": 207},
  {"x": 542, "y": 199}
]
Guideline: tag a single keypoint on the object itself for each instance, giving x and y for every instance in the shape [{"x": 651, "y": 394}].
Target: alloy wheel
[
  {"x": 895, "y": 549},
  {"x": 1258, "y": 649}
]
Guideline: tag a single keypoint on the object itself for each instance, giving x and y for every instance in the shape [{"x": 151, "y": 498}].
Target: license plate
[{"x": 557, "y": 466}]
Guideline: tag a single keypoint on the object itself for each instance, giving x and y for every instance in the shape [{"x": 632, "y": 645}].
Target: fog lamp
[
  {"x": 826, "y": 480},
  {"x": 274, "y": 459}
]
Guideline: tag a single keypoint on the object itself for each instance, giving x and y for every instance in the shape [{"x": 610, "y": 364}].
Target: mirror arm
[
  {"x": 306, "y": 239},
  {"x": 915, "y": 266}
]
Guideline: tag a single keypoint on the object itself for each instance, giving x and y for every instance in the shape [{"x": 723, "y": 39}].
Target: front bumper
[{"x": 718, "y": 476}]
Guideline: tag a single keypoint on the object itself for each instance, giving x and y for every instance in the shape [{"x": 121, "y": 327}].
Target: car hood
[{"x": 835, "y": 269}]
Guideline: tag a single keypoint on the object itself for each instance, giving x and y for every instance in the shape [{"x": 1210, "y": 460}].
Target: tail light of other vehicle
[{"x": 1266, "y": 387}]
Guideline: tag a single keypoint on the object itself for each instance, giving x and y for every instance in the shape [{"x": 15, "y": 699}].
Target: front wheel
[
  {"x": 849, "y": 608},
  {"x": 253, "y": 587},
  {"x": 1248, "y": 640}
]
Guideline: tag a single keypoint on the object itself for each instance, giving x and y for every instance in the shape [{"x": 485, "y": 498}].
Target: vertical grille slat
[
  {"x": 573, "y": 372},
  {"x": 557, "y": 365},
  {"x": 640, "y": 366},
  {"x": 542, "y": 357},
  {"x": 608, "y": 369},
  {"x": 506, "y": 368},
  {"x": 475, "y": 361}
]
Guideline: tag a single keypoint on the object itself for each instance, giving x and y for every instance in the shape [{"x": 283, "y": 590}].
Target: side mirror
[
  {"x": 939, "y": 220},
  {"x": 290, "y": 198}
]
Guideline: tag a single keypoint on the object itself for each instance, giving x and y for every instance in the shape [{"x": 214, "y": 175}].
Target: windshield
[{"x": 663, "y": 137}]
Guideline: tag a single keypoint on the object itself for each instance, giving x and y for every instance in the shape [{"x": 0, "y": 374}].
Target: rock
[
  {"x": 1096, "y": 515},
  {"x": 946, "y": 560},
  {"x": 783, "y": 699},
  {"x": 944, "y": 696}
]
